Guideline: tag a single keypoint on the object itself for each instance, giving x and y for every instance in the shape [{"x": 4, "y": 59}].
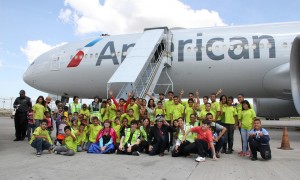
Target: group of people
[{"x": 135, "y": 126}]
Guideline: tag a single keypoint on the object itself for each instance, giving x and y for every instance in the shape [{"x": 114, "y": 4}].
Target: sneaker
[
  {"x": 200, "y": 159},
  {"x": 38, "y": 154},
  {"x": 253, "y": 158},
  {"x": 217, "y": 155},
  {"x": 135, "y": 153}
]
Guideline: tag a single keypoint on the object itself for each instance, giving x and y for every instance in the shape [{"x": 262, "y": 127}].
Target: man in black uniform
[{"x": 22, "y": 105}]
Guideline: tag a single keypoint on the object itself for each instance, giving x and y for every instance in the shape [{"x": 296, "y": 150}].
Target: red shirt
[{"x": 203, "y": 135}]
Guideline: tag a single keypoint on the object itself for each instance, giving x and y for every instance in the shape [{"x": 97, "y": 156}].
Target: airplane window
[
  {"x": 253, "y": 46},
  {"x": 261, "y": 45},
  {"x": 246, "y": 46},
  {"x": 284, "y": 44},
  {"x": 96, "y": 55},
  {"x": 91, "y": 55},
  {"x": 86, "y": 56}
]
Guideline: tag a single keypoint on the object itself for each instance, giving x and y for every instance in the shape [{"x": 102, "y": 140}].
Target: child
[
  {"x": 41, "y": 139},
  {"x": 70, "y": 146},
  {"x": 80, "y": 137},
  {"x": 117, "y": 128},
  {"x": 85, "y": 111},
  {"x": 74, "y": 124},
  {"x": 159, "y": 110},
  {"x": 93, "y": 131},
  {"x": 69, "y": 118},
  {"x": 50, "y": 122},
  {"x": 104, "y": 111},
  {"x": 31, "y": 124},
  {"x": 60, "y": 132}
]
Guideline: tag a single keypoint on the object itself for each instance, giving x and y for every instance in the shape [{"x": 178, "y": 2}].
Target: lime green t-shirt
[
  {"x": 40, "y": 132},
  {"x": 93, "y": 131},
  {"x": 70, "y": 143},
  {"x": 202, "y": 107},
  {"x": 158, "y": 111},
  {"x": 204, "y": 112},
  {"x": 104, "y": 113},
  {"x": 239, "y": 109},
  {"x": 215, "y": 107},
  {"x": 188, "y": 111},
  {"x": 125, "y": 115},
  {"x": 136, "y": 111},
  {"x": 117, "y": 128},
  {"x": 247, "y": 117},
  {"x": 79, "y": 137},
  {"x": 169, "y": 105},
  {"x": 230, "y": 112},
  {"x": 112, "y": 112},
  {"x": 178, "y": 111},
  {"x": 85, "y": 112},
  {"x": 38, "y": 111}
]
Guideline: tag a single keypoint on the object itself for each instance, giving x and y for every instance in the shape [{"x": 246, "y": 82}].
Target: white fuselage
[{"x": 234, "y": 58}]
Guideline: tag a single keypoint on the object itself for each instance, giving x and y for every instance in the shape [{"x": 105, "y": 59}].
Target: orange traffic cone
[{"x": 285, "y": 143}]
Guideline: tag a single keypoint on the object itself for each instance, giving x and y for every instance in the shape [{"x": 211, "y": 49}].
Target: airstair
[{"x": 143, "y": 67}]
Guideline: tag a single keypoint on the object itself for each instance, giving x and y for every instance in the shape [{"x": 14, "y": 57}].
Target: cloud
[
  {"x": 35, "y": 48},
  {"x": 117, "y": 17}
]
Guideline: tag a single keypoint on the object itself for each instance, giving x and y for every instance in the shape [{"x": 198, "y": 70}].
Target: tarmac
[{"x": 18, "y": 161}]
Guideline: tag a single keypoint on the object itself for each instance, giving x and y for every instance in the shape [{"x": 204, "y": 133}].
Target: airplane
[{"x": 261, "y": 61}]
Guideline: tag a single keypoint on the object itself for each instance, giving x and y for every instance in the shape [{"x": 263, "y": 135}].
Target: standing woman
[
  {"x": 145, "y": 129},
  {"x": 38, "y": 111},
  {"x": 95, "y": 107},
  {"x": 105, "y": 141},
  {"x": 223, "y": 104},
  {"x": 75, "y": 106},
  {"x": 150, "y": 110},
  {"x": 248, "y": 116}
]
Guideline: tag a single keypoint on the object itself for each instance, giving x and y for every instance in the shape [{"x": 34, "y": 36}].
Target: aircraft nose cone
[{"x": 26, "y": 76}]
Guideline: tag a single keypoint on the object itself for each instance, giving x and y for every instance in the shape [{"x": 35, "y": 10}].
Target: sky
[{"x": 31, "y": 27}]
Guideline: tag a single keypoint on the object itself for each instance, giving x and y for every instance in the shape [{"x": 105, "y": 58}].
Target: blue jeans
[
  {"x": 30, "y": 129},
  {"x": 245, "y": 137},
  {"x": 37, "y": 124},
  {"x": 39, "y": 144}
]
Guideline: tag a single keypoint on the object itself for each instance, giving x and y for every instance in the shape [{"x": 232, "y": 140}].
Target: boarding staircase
[{"x": 143, "y": 67}]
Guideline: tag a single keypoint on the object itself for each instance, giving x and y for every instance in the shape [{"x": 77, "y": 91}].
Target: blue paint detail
[{"x": 92, "y": 43}]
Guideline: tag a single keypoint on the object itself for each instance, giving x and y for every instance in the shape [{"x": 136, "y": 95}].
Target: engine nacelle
[
  {"x": 295, "y": 72},
  {"x": 274, "y": 108}
]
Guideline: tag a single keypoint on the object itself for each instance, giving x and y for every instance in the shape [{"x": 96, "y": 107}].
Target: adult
[
  {"x": 95, "y": 107},
  {"x": 130, "y": 140},
  {"x": 180, "y": 132},
  {"x": 158, "y": 138},
  {"x": 259, "y": 141},
  {"x": 75, "y": 106},
  {"x": 22, "y": 105},
  {"x": 105, "y": 141},
  {"x": 145, "y": 129}
]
